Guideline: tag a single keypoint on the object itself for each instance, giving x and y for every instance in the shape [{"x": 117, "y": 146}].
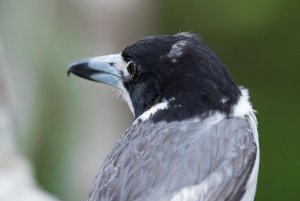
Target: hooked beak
[{"x": 104, "y": 69}]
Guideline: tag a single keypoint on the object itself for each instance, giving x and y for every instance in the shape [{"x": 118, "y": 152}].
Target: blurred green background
[{"x": 65, "y": 127}]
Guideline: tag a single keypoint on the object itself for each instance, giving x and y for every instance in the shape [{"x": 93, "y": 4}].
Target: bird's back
[{"x": 191, "y": 160}]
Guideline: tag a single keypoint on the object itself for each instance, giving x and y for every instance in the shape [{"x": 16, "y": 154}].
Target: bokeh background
[{"x": 66, "y": 126}]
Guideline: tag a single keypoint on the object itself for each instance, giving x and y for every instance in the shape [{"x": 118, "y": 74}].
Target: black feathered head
[{"x": 177, "y": 69}]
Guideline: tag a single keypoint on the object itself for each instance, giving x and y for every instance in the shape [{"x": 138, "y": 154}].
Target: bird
[{"x": 194, "y": 135}]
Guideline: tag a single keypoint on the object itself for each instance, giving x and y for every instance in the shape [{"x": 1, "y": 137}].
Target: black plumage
[{"x": 197, "y": 74}]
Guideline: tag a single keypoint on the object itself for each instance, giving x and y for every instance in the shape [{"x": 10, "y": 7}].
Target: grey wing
[
  {"x": 180, "y": 161},
  {"x": 235, "y": 155}
]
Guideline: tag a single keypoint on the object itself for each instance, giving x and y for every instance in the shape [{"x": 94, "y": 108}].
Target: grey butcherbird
[{"x": 194, "y": 137}]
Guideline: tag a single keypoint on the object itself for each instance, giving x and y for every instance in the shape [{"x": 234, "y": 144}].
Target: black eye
[{"x": 131, "y": 68}]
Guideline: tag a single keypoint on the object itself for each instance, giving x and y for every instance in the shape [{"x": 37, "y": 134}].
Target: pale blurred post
[{"x": 16, "y": 179}]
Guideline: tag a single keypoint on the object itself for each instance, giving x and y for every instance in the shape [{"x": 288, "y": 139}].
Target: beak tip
[
  {"x": 72, "y": 68},
  {"x": 77, "y": 68},
  {"x": 69, "y": 71}
]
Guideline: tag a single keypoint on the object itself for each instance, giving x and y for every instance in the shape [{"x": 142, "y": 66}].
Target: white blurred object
[
  {"x": 16, "y": 179},
  {"x": 17, "y": 182}
]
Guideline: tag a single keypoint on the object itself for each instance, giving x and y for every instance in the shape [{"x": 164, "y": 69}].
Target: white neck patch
[
  {"x": 147, "y": 114},
  {"x": 243, "y": 106}
]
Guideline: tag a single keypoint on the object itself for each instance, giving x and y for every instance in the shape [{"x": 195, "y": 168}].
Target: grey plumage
[{"x": 194, "y": 151}]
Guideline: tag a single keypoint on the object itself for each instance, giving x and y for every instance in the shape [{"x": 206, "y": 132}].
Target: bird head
[{"x": 177, "y": 73}]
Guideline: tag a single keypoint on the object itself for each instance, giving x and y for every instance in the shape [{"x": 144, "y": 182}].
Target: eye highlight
[{"x": 131, "y": 68}]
